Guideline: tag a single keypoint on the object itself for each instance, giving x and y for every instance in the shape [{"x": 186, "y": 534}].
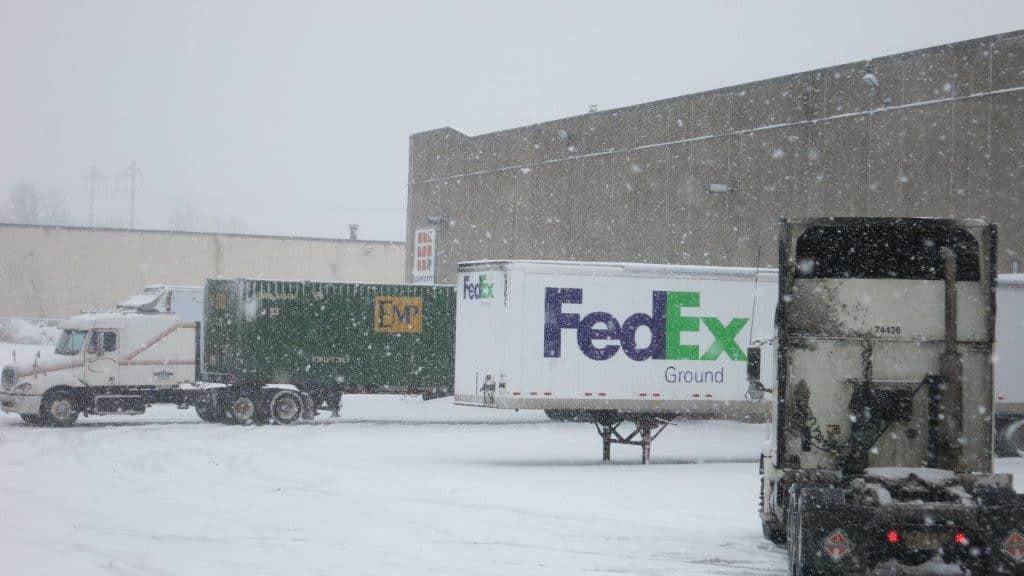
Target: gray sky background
[{"x": 294, "y": 117}]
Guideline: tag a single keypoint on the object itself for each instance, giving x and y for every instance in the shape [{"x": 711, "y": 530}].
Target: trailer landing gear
[{"x": 647, "y": 429}]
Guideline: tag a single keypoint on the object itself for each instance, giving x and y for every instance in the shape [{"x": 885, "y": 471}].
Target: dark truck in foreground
[
  {"x": 882, "y": 424},
  {"x": 277, "y": 351}
]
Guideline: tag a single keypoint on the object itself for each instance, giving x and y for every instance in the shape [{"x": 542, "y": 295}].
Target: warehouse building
[
  {"x": 55, "y": 271},
  {"x": 702, "y": 178}
]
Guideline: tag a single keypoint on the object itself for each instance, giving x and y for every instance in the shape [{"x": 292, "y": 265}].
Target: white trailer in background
[
  {"x": 1008, "y": 370},
  {"x": 610, "y": 342}
]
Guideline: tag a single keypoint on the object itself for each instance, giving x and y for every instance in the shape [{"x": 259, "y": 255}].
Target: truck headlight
[{"x": 23, "y": 387}]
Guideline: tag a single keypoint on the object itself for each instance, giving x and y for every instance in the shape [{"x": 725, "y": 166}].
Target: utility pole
[
  {"x": 93, "y": 175},
  {"x": 131, "y": 216}
]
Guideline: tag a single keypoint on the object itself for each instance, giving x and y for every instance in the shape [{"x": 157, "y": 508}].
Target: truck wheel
[
  {"x": 242, "y": 409},
  {"x": 1012, "y": 437},
  {"x": 557, "y": 415},
  {"x": 210, "y": 410},
  {"x": 773, "y": 531},
  {"x": 59, "y": 409},
  {"x": 797, "y": 547},
  {"x": 32, "y": 419},
  {"x": 285, "y": 407}
]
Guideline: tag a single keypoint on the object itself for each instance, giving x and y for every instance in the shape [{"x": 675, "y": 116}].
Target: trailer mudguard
[
  {"x": 1001, "y": 531},
  {"x": 826, "y": 534}
]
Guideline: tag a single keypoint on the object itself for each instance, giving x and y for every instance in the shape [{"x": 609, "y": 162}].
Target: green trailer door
[
  {"x": 274, "y": 332},
  {"x": 222, "y": 352}
]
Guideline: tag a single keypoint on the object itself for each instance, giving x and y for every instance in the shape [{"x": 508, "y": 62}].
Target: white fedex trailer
[
  {"x": 610, "y": 342},
  {"x": 615, "y": 342}
]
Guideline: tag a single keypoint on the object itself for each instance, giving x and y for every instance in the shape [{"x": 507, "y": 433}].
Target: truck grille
[{"x": 7, "y": 379}]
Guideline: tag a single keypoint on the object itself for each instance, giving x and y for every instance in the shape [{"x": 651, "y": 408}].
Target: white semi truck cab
[{"x": 117, "y": 362}]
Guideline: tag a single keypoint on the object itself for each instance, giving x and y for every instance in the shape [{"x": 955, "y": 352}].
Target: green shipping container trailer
[{"x": 283, "y": 349}]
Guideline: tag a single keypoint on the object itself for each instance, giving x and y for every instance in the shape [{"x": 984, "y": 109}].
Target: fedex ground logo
[
  {"x": 477, "y": 288},
  {"x": 673, "y": 317}
]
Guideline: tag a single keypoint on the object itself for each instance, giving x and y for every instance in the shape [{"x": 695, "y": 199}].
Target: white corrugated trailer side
[
  {"x": 1008, "y": 369},
  {"x": 631, "y": 338}
]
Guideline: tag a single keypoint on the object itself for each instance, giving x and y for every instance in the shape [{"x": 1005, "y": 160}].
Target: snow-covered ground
[{"x": 395, "y": 486}]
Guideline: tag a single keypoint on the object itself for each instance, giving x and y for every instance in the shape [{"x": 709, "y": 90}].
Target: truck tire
[
  {"x": 242, "y": 409},
  {"x": 59, "y": 409},
  {"x": 1010, "y": 439},
  {"x": 285, "y": 407},
  {"x": 773, "y": 531},
  {"x": 558, "y": 415},
  {"x": 210, "y": 410},
  {"x": 32, "y": 419}
]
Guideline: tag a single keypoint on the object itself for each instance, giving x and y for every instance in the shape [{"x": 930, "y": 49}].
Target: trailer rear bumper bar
[{"x": 697, "y": 409}]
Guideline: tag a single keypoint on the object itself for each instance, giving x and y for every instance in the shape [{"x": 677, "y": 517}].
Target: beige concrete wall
[
  {"x": 936, "y": 132},
  {"x": 50, "y": 272}
]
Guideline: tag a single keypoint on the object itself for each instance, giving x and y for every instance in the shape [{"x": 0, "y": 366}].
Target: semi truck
[
  {"x": 881, "y": 375},
  {"x": 609, "y": 343},
  {"x": 240, "y": 351},
  {"x": 113, "y": 362}
]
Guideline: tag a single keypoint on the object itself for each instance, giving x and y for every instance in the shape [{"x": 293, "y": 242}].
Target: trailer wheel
[
  {"x": 285, "y": 407},
  {"x": 59, "y": 409},
  {"x": 797, "y": 547},
  {"x": 242, "y": 409},
  {"x": 1012, "y": 437},
  {"x": 32, "y": 419},
  {"x": 210, "y": 410},
  {"x": 773, "y": 531}
]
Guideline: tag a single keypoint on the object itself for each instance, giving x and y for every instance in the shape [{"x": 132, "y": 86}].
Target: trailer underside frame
[{"x": 648, "y": 428}]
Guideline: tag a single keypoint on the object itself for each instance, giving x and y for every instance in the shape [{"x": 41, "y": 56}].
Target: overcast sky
[{"x": 294, "y": 117}]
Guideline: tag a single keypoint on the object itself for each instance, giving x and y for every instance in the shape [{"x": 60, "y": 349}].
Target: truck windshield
[{"x": 70, "y": 342}]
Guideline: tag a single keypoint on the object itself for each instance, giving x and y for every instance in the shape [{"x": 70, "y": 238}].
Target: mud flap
[
  {"x": 308, "y": 407},
  {"x": 827, "y": 536},
  {"x": 1001, "y": 527}
]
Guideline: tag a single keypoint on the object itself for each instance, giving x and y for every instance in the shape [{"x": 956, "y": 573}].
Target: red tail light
[
  {"x": 961, "y": 539},
  {"x": 892, "y": 537}
]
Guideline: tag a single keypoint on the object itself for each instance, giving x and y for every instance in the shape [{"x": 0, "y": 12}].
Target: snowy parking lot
[{"x": 395, "y": 486}]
